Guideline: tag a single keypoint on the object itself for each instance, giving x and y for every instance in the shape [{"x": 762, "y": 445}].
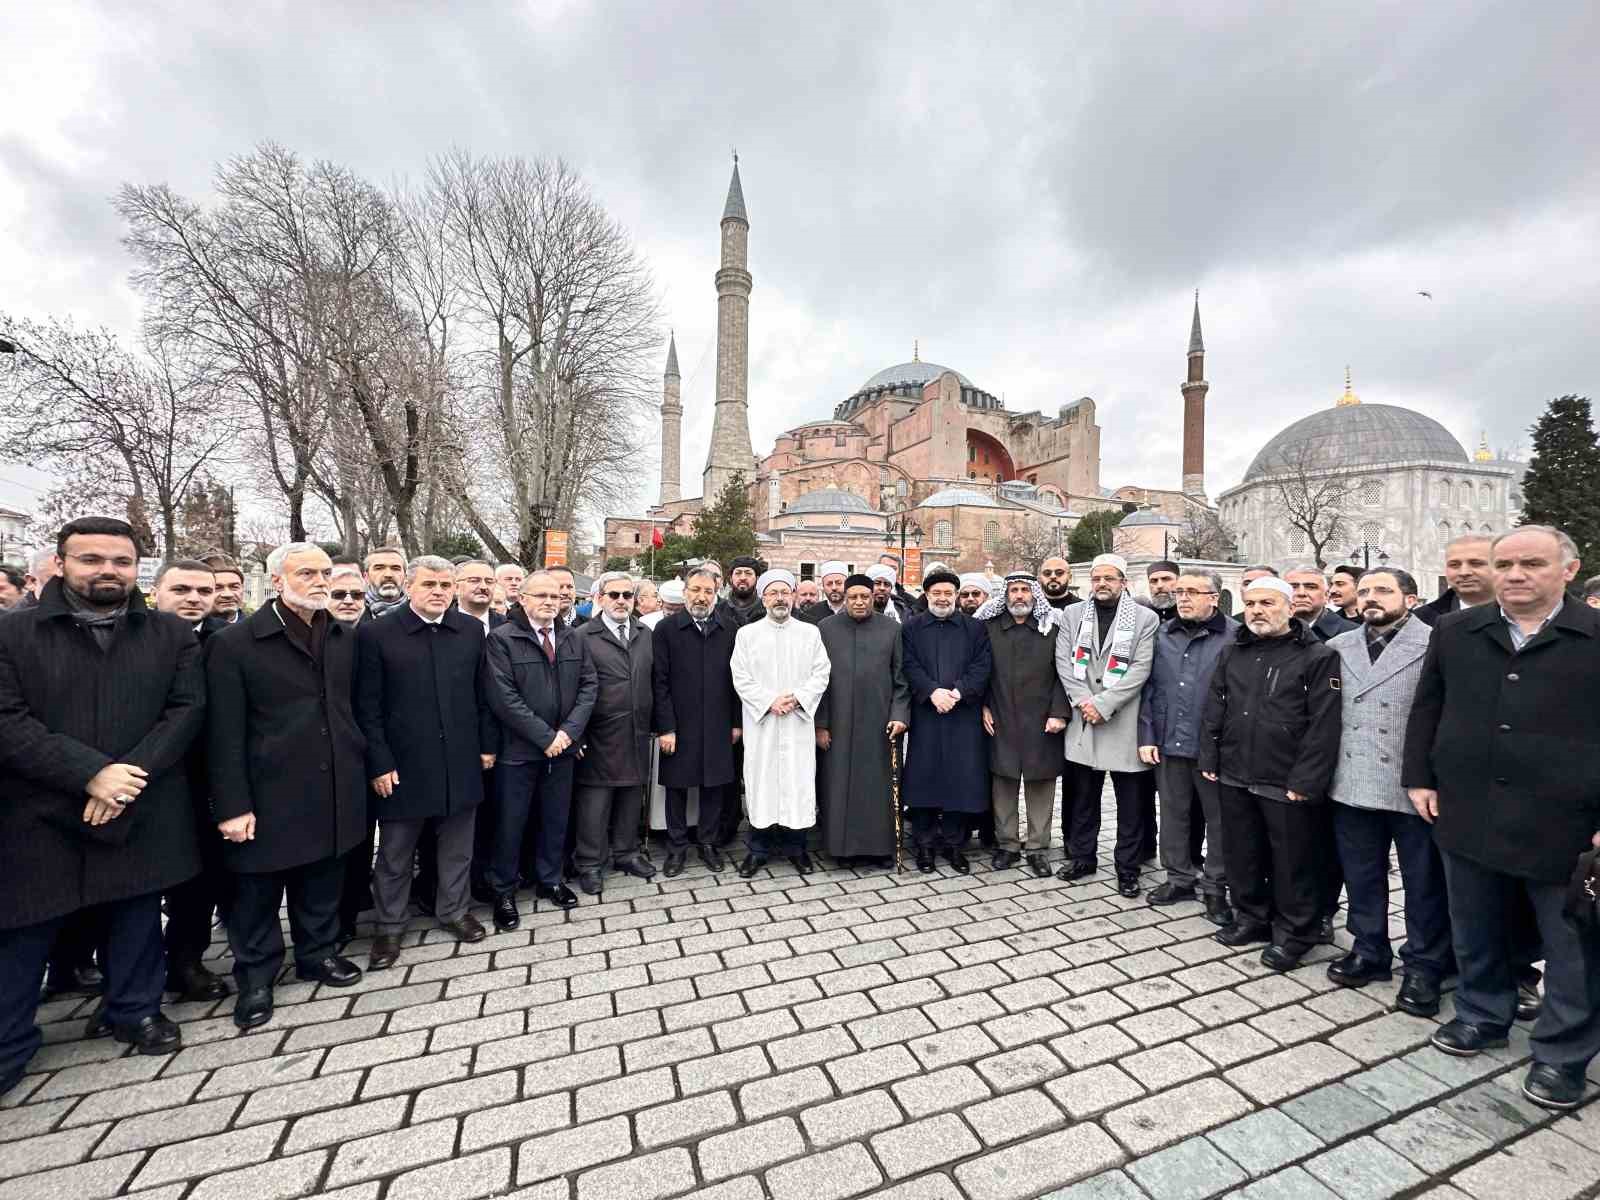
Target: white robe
[{"x": 780, "y": 753}]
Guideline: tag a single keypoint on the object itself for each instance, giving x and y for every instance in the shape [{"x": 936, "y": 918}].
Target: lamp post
[
  {"x": 907, "y": 527},
  {"x": 1365, "y": 550},
  {"x": 539, "y": 513}
]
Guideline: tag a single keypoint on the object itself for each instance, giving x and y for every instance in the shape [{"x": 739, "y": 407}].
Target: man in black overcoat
[
  {"x": 614, "y": 768},
  {"x": 1502, "y": 755},
  {"x": 99, "y": 700},
  {"x": 698, "y": 714},
  {"x": 288, "y": 781},
  {"x": 429, "y": 739}
]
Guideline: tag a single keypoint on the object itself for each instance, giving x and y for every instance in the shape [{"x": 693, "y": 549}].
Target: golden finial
[
  {"x": 916, "y": 350},
  {"x": 1349, "y": 398},
  {"x": 1483, "y": 454}
]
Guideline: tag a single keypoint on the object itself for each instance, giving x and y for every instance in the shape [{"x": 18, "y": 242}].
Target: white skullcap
[
  {"x": 1270, "y": 583},
  {"x": 775, "y": 575},
  {"x": 977, "y": 579},
  {"x": 832, "y": 567},
  {"x": 670, "y": 592},
  {"x": 879, "y": 571},
  {"x": 1111, "y": 560}
]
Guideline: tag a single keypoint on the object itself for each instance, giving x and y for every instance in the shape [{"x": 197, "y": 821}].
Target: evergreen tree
[
  {"x": 1092, "y": 535},
  {"x": 1562, "y": 484},
  {"x": 725, "y": 529},
  {"x": 455, "y": 543}
]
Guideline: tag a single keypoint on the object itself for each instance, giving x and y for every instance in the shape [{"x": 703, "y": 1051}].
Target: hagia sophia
[{"x": 923, "y": 450}]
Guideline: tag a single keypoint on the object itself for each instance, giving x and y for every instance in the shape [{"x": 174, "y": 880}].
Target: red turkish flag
[{"x": 656, "y": 539}]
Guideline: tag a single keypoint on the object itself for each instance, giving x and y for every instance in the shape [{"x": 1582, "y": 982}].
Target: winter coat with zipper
[{"x": 1174, "y": 699}]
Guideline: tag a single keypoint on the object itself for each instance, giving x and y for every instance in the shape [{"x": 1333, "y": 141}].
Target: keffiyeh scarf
[
  {"x": 1120, "y": 656},
  {"x": 1043, "y": 615}
]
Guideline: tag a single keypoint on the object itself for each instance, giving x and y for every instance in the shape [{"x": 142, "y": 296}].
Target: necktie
[
  {"x": 546, "y": 644},
  {"x": 622, "y": 634}
]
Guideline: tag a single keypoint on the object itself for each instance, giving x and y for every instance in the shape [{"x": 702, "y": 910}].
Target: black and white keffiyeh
[{"x": 1043, "y": 615}]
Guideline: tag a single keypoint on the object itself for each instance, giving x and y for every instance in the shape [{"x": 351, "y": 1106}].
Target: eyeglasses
[
  {"x": 342, "y": 595},
  {"x": 96, "y": 561},
  {"x": 1189, "y": 593},
  {"x": 540, "y": 596},
  {"x": 1051, "y": 574},
  {"x": 619, "y": 595}
]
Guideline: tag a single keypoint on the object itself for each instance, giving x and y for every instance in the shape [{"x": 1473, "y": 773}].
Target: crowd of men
[{"x": 418, "y": 735}]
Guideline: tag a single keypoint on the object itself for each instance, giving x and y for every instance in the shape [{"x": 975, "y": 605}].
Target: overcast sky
[{"x": 1033, "y": 192}]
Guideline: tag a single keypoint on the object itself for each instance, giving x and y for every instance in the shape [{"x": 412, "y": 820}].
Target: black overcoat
[
  {"x": 947, "y": 762},
  {"x": 1024, "y": 689},
  {"x": 418, "y": 703},
  {"x": 532, "y": 698},
  {"x": 695, "y": 699},
  {"x": 283, "y": 743},
  {"x": 616, "y": 750},
  {"x": 67, "y": 709},
  {"x": 1510, "y": 740},
  {"x": 866, "y": 690}
]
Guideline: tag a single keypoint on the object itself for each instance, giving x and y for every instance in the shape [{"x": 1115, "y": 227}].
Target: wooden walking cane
[{"x": 894, "y": 790}]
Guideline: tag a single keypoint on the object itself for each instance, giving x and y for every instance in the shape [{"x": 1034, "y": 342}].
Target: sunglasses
[
  {"x": 342, "y": 595},
  {"x": 619, "y": 595},
  {"x": 1051, "y": 574}
]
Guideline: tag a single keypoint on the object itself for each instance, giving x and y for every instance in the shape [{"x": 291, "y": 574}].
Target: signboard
[
  {"x": 555, "y": 548},
  {"x": 147, "y": 573},
  {"x": 913, "y": 567}
]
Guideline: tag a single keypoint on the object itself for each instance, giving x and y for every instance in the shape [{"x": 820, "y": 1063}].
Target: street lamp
[
  {"x": 1365, "y": 550},
  {"x": 907, "y": 528},
  {"x": 540, "y": 512}
]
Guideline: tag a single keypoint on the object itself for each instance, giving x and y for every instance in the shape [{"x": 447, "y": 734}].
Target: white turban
[
  {"x": 775, "y": 575},
  {"x": 1272, "y": 584},
  {"x": 879, "y": 571},
  {"x": 671, "y": 592},
  {"x": 976, "y": 579},
  {"x": 1111, "y": 560},
  {"x": 832, "y": 567}
]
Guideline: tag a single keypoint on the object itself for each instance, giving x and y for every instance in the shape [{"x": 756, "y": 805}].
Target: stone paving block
[
  {"x": 99, "y": 1177},
  {"x": 479, "y": 1030},
  {"x": 1541, "y": 1166},
  {"x": 1108, "y": 1185},
  {"x": 1028, "y": 1168},
  {"x": 1091, "y": 1008},
  {"x": 465, "y": 1178},
  {"x": 1385, "y": 1037},
  {"x": 1364, "y": 1169},
  {"x": 667, "y": 1049},
  {"x": 835, "y": 1010},
  {"x": 465, "y": 1096},
  {"x": 297, "y": 1099},
  {"x": 1160, "y": 1120},
  {"x": 1228, "y": 1045},
  {"x": 1451, "y": 1069},
  {"x": 417, "y": 1073},
  {"x": 1494, "y": 1111},
  {"x": 1164, "y": 1066},
  {"x": 34, "y": 1119},
  {"x": 1264, "y": 1141},
  {"x": 900, "y": 1025},
  {"x": 750, "y": 1148},
  {"x": 205, "y": 1155},
  {"x": 1293, "y": 1184},
  {"x": 513, "y": 1122},
  {"x": 571, "y": 1071},
  {"x": 927, "y": 1187},
  {"x": 831, "y": 1175},
  {"x": 807, "y": 1048},
  {"x": 1290, "y": 1072},
  {"x": 722, "y": 1070},
  {"x": 1396, "y": 1086},
  {"x": 1295, "y": 1023},
  {"x": 1020, "y": 1028},
  {"x": 870, "y": 1068},
  {"x": 296, "y": 1175},
  {"x": 850, "y": 1119},
  {"x": 1345, "y": 1006},
  {"x": 962, "y": 1010},
  {"x": 98, "y": 1077},
  {"x": 1096, "y": 1044},
  {"x": 625, "y": 1094},
  {"x": 1156, "y": 992},
  {"x": 573, "y": 1149},
  {"x": 351, "y": 1121},
  {"x": 678, "y": 1017},
  {"x": 1091, "y": 1092},
  {"x": 177, "y": 1125},
  {"x": 1029, "y": 993},
  {"x": 758, "y": 1027},
  {"x": 1020, "y": 1068},
  {"x": 950, "y": 1088},
  {"x": 1433, "y": 1140},
  {"x": 44, "y": 1152},
  {"x": 1334, "y": 1112},
  {"x": 1006, "y": 1118},
  {"x": 351, "y": 1056},
  {"x": 685, "y": 1120},
  {"x": 784, "y": 1093},
  {"x": 649, "y": 1177},
  {"x": 923, "y": 1145},
  {"x": 1191, "y": 1170}
]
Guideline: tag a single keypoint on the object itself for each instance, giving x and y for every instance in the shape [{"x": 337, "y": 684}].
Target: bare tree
[
  {"x": 1313, "y": 498},
  {"x": 1026, "y": 548},
  {"x": 1205, "y": 536}
]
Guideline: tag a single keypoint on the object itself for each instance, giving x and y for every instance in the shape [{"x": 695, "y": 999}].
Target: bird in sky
[{"x": 1429, "y": 295}]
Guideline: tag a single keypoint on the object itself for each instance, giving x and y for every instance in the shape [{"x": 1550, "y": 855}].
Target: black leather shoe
[
  {"x": 673, "y": 867},
  {"x": 1419, "y": 995},
  {"x": 1169, "y": 893},
  {"x": 802, "y": 863},
  {"x": 253, "y": 1007},
  {"x": 1280, "y": 959},
  {"x": 1325, "y": 931},
  {"x": 385, "y": 952},
  {"x": 1128, "y": 885},
  {"x": 1243, "y": 933},
  {"x": 751, "y": 864},
  {"x": 712, "y": 857},
  {"x": 1353, "y": 971},
  {"x": 84, "y": 980},
  {"x": 637, "y": 867},
  {"x": 1529, "y": 1001},
  {"x": 560, "y": 895},
  {"x": 97, "y": 1026},
  {"x": 467, "y": 929},
  {"x": 925, "y": 862},
  {"x": 333, "y": 971},
  {"x": 1076, "y": 868},
  {"x": 506, "y": 916},
  {"x": 958, "y": 860},
  {"x": 1039, "y": 866},
  {"x": 1217, "y": 911},
  {"x": 591, "y": 883},
  {"x": 1550, "y": 1086},
  {"x": 1465, "y": 1040},
  {"x": 1001, "y": 859},
  {"x": 150, "y": 1035},
  {"x": 196, "y": 984}
]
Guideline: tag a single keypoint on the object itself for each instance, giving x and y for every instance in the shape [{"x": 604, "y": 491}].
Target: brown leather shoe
[
  {"x": 385, "y": 952},
  {"x": 467, "y": 929}
]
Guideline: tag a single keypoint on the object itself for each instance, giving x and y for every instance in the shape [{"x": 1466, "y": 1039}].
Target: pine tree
[
  {"x": 1092, "y": 535},
  {"x": 725, "y": 529},
  {"x": 1562, "y": 483}
]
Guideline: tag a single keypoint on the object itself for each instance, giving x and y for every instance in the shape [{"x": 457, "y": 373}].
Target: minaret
[
  {"x": 671, "y": 425},
  {"x": 730, "y": 426},
  {"x": 1194, "y": 391}
]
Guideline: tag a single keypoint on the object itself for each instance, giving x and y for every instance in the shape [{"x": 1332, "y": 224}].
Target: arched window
[
  {"x": 1372, "y": 492},
  {"x": 1487, "y": 530},
  {"x": 1442, "y": 493},
  {"x": 1485, "y": 497},
  {"x": 1466, "y": 495},
  {"x": 1444, "y": 533},
  {"x": 942, "y": 534},
  {"x": 991, "y": 537}
]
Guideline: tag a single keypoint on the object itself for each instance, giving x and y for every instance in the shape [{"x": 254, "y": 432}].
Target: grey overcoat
[
  {"x": 1375, "y": 702},
  {"x": 1114, "y": 744}
]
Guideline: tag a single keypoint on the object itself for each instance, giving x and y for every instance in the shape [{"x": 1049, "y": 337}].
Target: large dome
[
  {"x": 828, "y": 500},
  {"x": 1356, "y": 435},
  {"x": 916, "y": 372}
]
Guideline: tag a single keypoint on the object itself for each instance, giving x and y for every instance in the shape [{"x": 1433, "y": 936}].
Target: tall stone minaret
[
  {"x": 671, "y": 425},
  {"x": 730, "y": 426},
  {"x": 1194, "y": 391}
]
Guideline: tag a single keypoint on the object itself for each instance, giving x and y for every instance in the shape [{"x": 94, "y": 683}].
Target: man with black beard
[
  {"x": 742, "y": 598},
  {"x": 884, "y": 599},
  {"x": 1162, "y": 577},
  {"x": 386, "y": 572},
  {"x": 974, "y": 593},
  {"x": 831, "y": 575},
  {"x": 1055, "y": 580}
]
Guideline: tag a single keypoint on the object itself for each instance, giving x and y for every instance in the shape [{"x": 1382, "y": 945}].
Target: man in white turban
[
  {"x": 780, "y": 671},
  {"x": 883, "y": 597},
  {"x": 831, "y": 576},
  {"x": 976, "y": 590}
]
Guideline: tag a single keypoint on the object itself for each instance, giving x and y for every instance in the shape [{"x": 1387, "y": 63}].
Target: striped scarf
[{"x": 1120, "y": 657}]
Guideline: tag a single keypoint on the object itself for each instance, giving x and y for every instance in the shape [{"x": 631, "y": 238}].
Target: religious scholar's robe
[
  {"x": 947, "y": 765},
  {"x": 769, "y": 659},
  {"x": 866, "y": 690}
]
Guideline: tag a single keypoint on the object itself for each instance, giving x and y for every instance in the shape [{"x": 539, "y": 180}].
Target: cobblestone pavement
[{"x": 991, "y": 1037}]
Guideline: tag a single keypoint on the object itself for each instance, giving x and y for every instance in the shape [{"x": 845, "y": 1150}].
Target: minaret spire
[
  {"x": 1197, "y": 344},
  {"x": 730, "y": 451},
  {"x": 671, "y": 425},
  {"x": 1194, "y": 391}
]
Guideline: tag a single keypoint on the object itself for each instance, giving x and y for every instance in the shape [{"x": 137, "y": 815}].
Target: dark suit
[
  {"x": 1510, "y": 739},
  {"x": 695, "y": 700},
  {"x": 534, "y": 698},
  {"x": 615, "y": 768},
  {"x": 69, "y": 708},
  {"x": 946, "y": 773},
  {"x": 283, "y": 744}
]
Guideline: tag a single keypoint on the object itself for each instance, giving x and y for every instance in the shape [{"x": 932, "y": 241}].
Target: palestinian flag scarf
[{"x": 1120, "y": 655}]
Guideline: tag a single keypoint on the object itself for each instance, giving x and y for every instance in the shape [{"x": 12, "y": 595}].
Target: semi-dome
[
  {"x": 916, "y": 372},
  {"x": 829, "y": 500},
  {"x": 1147, "y": 516},
  {"x": 1356, "y": 435},
  {"x": 952, "y": 496}
]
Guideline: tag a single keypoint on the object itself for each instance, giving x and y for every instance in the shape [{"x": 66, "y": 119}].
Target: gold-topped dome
[
  {"x": 1349, "y": 399},
  {"x": 1483, "y": 454}
]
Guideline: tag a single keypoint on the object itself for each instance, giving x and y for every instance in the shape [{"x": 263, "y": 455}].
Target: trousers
[
  {"x": 1082, "y": 830},
  {"x": 255, "y": 933},
  {"x": 1482, "y": 903},
  {"x": 1040, "y": 797},
  {"x": 355, "y": 890},
  {"x": 452, "y": 857},
  {"x": 192, "y": 905},
  {"x": 1363, "y": 837},
  {"x": 938, "y": 829},
  {"x": 1272, "y": 850},
  {"x": 530, "y": 798},
  {"x": 777, "y": 840},
  {"x": 608, "y": 824},
  {"x": 1182, "y": 790},
  {"x": 131, "y": 955},
  {"x": 709, "y": 822}
]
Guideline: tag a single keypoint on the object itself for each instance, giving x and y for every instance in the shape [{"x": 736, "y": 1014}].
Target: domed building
[{"x": 1372, "y": 482}]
